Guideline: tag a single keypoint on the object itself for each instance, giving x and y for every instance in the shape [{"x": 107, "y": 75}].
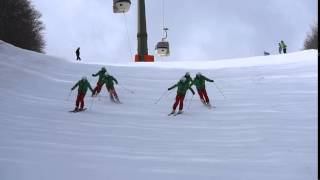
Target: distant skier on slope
[
  {"x": 98, "y": 87},
  {"x": 283, "y": 46},
  {"x": 82, "y": 90},
  {"x": 183, "y": 86},
  {"x": 78, "y": 54},
  {"x": 280, "y": 48},
  {"x": 108, "y": 80},
  {"x": 200, "y": 83}
]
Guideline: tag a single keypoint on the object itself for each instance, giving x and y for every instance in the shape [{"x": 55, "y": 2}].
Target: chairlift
[
  {"x": 162, "y": 47},
  {"x": 121, "y": 6}
]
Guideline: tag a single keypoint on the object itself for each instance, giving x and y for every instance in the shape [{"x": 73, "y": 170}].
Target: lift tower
[{"x": 142, "y": 55}]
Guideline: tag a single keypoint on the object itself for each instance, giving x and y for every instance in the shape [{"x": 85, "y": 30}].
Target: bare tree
[
  {"x": 311, "y": 41},
  {"x": 20, "y": 25}
]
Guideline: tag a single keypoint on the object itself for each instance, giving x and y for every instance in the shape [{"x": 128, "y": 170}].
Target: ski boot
[
  {"x": 172, "y": 112},
  {"x": 180, "y": 112}
]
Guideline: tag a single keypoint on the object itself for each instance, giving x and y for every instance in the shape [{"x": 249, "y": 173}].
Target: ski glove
[{"x": 212, "y": 81}]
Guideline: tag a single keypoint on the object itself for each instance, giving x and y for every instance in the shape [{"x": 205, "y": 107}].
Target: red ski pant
[
  {"x": 97, "y": 89},
  {"x": 179, "y": 101},
  {"x": 80, "y": 100},
  {"x": 203, "y": 95},
  {"x": 113, "y": 93}
]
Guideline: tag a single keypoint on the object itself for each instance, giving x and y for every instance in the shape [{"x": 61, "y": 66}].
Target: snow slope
[{"x": 265, "y": 128}]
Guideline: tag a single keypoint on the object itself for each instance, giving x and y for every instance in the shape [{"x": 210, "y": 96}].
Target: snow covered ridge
[
  {"x": 265, "y": 128},
  {"x": 306, "y": 56}
]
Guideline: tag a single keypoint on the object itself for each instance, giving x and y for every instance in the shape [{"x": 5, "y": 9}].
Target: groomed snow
[{"x": 265, "y": 128}]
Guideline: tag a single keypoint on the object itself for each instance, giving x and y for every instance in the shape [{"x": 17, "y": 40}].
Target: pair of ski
[
  {"x": 175, "y": 113},
  {"x": 181, "y": 112},
  {"x": 80, "y": 110}
]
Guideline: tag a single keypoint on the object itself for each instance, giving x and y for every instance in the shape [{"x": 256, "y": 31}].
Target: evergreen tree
[
  {"x": 20, "y": 25},
  {"x": 311, "y": 41}
]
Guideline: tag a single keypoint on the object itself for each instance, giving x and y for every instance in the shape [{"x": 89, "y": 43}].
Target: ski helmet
[
  {"x": 198, "y": 74},
  {"x": 183, "y": 79},
  {"x": 103, "y": 69},
  {"x": 187, "y": 74},
  {"x": 84, "y": 78}
]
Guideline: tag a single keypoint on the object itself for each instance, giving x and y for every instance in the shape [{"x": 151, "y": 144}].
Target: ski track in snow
[{"x": 266, "y": 128}]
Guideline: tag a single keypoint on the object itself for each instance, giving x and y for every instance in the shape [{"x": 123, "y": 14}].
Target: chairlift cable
[{"x": 128, "y": 35}]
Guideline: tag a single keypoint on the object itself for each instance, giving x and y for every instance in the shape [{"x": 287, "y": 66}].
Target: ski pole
[
  {"x": 219, "y": 90},
  {"x": 92, "y": 99},
  {"x": 190, "y": 101},
  {"x": 164, "y": 93},
  {"x": 132, "y": 92},
  {"x": 68, "y": 97},
  {"x": 168, "y": 94}
]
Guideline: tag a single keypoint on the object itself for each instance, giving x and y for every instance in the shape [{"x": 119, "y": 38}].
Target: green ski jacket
[
  {"x": 83, "y": 86},
  {"x": 182, "y": 88},
  {"x": 200, "y": 82}
]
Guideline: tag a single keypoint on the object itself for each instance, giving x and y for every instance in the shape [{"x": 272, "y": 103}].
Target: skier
[
  {"x": 108, "y": 80},
  {"x": 283, "y": 46},
  {"x": 199, "y": 82},
  {"x": 183, "y": 86},
  {"x": 82, "y": 90},
  {"x": 97, "y": 89},
  {"x": 280, "y": 48},
  {"x": 78, "y": 54}
]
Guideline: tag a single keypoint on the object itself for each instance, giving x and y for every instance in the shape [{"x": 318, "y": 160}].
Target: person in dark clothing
[
  {"x": 280, "y": 48},
  {"x": 78, "y": 54}
]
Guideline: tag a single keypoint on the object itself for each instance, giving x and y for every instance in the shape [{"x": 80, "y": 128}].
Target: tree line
[{"x": 20, "y": 25}]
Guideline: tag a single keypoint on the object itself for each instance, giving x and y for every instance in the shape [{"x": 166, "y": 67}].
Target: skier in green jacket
[
  {"x": 283, "y": 46},
  {"x": 83, "y": 86},
  {"x": 97, "y": 89},
  {"x": 183, "y": 86},
  {"x": 200, "y": 83},
  {"x": 109, "y": 81}
]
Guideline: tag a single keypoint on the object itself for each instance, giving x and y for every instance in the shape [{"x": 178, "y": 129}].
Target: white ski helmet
[
  {"x": 183, "y": 79},
  {"x": 84, "y": 78}
]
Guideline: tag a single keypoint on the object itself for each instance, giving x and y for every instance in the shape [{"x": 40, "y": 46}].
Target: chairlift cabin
[
  {"x": 162, "y": 48},
  {"x": 121, "y": 6}
]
